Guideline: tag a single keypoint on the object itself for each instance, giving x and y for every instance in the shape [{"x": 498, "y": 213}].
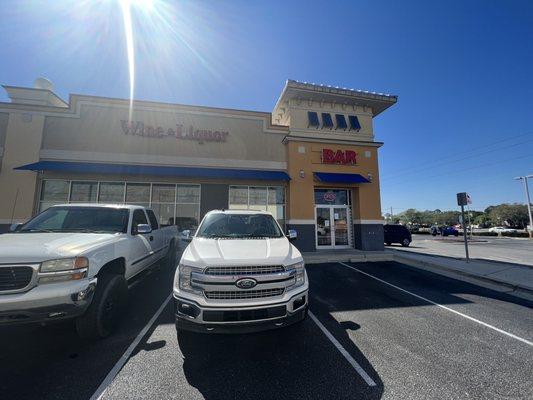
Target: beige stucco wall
[
  {"x": 21, "y": 146},
  {"x": 298, "y": 120},
  {"x": 4, "y": 118},
  {"x": 98, "y": 130}
]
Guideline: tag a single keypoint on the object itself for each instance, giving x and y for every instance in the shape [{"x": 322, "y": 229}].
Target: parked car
[
  {"x": 444, "y": 231},
  {"x": 74, "y": 261},
  {"x": 397, "y": 234},
  {"x": 502, "y": 229},
  {"x": 240, "y": 273}
]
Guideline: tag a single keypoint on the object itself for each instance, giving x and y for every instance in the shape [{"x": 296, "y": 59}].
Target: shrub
[
  {"x": 485, "y": 234},
  {"x": 516, "y": 234}
]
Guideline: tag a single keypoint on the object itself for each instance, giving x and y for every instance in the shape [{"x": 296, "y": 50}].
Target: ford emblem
[{"x": 246, "y": 283}]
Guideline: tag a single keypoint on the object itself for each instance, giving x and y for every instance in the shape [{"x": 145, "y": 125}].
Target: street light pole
[{"x": 526, "y": 188}]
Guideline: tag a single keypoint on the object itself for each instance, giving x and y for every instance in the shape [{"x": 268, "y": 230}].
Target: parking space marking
[
  {"x": 342, "y": 350},
  {"x": 124, "y": 359},
  {"x": 442, "y": 306}
]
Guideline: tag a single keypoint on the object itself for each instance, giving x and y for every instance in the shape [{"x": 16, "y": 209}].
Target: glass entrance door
[
  {"x": 340, "y": 226},
  {"x": 333, "y": 227}
]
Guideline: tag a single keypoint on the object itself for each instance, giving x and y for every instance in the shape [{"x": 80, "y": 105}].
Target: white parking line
[
  {"x": 342, "y": 350},
  {"x": 441, "y": 306},
  {"x": 120, "y": 363}
]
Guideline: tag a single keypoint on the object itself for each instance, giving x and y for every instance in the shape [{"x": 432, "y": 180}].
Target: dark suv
[{"x": 397, "y": 234}]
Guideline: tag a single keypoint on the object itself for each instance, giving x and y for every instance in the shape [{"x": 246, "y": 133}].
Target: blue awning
[
  {"x": 327, "y": 177},
  {"x": 132, "y": 169}
]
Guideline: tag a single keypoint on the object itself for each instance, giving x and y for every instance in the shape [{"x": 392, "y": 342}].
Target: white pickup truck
[
  {"x": 74, "y": 261},
  {"x": 240, "y": 273}
]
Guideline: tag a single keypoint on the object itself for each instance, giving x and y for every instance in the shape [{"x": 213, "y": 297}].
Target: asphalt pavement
[{"x": 379, "y": 330}]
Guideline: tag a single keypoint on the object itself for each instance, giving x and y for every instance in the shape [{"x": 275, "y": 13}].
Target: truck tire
[
  {"x": 103, "y": 314},
  {"x": 406, "y": 243}
]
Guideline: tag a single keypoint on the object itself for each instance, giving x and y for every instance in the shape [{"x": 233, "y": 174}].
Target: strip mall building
[{"x": 312, "y": 162}]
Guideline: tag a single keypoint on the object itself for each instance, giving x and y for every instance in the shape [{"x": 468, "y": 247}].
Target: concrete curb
[{"x": 491, "y": 283}]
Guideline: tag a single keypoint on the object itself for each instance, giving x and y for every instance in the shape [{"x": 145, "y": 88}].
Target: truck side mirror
[
  {"x": 292, "y": 234},
  {"x": 187, "y": 234},
  {"x": 15, "y": 227},
  {"x": 143, "y": 229}
]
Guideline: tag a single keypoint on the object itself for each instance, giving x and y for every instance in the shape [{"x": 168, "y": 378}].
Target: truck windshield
[
  {"x": 239, "y": 226},
  {"x": 79, "y": 219}
]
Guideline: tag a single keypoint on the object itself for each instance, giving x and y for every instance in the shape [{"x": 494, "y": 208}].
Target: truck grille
[
  {"x": 244, "y": 294},
  {"x": 245, "y": 270},
  {"x": 14, "y": 278}
]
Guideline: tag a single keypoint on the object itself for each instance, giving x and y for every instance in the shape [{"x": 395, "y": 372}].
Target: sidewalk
[
  {"x": 517, "y": 279},
  {"x": 514, "y": 279}
]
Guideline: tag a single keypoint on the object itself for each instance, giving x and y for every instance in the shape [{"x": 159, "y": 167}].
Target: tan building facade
[{"x": 312, "y": 162}]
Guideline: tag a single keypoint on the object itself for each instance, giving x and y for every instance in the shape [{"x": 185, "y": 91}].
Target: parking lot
[
  {"x": 502, "y": 249},
  {"x": 379, "y": 330}
]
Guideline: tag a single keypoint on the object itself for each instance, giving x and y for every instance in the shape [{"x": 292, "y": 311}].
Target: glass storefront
[
  {"x": 262, "y": 198},
  {"x": 333, "y": 220},
  {"x": 174, "y": 204}
]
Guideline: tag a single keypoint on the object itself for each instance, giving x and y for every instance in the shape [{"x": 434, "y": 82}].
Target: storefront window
[
  {"x": 276, "y": 195},
  {"x": 111, "y": 192},
  {"x": 83, "y": 192},
  {"x": 163, "y": 193},
  {"x": 164, "y": 213},
  {"x": 257, "y": 198},
  {"x": 262, "y": 198},
  {"x": 53, "y": 192},
  {"x": 172, "y": 203},
  {"x": 238, "y": 197},
  {"x": 138, "y": 193},
  {"x": 187, "y": 216},
  {"x": 188, "y": 194}
]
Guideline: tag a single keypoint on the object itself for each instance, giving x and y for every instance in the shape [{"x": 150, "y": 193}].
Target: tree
[{"x": 514, "y": 215}]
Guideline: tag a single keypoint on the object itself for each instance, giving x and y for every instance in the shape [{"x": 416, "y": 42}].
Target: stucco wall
[
  {"x": 22, "y": 143},
  {"x": 366, "y": 196},
  {"x": 99, "y": 131}
]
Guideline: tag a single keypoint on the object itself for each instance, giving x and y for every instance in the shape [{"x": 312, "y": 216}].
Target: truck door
[
  {"x": 141, "y": 251},
  {"x": 161, "y": 240}
]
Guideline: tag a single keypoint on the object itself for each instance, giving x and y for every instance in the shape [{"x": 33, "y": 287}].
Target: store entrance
[{"x": 333, "y": 222}]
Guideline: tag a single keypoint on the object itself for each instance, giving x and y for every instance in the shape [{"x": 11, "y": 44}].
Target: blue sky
[{"x": 462, "y": 71}]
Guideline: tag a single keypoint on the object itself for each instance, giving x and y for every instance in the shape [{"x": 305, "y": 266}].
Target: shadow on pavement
[{"x": 293, "y": 362}]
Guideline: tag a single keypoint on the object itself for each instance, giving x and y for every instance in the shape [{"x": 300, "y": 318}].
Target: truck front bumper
[
  {"x": 190, "y": 316},
  {"x": 47, "y": 302}
]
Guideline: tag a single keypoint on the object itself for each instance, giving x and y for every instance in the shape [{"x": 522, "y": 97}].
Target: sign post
[{"x": 463, "y": 200}]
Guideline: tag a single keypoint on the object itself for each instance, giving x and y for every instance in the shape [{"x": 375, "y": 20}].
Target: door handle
[{"x": 151, "y": 238}]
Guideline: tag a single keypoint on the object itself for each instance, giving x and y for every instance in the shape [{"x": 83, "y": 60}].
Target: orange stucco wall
[{"x": 366, "y": 203}]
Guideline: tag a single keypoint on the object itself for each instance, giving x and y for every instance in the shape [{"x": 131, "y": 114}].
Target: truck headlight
[
  {"x": 63, "y": 269},
  {"x": 64, "y": 264},
  {"x": 299, "y": 276},
  {"x": 183, "y": 277}
]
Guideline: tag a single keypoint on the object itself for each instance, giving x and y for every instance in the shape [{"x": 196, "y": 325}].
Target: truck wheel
[
  {"x": 405, "y": 243},
  {"x": 388, "y": 243},
  {"x": 103, "y": 314}
]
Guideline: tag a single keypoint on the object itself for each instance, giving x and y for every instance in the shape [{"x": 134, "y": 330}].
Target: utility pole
[
  {"x": 526, "y": 188},
  {"x": 391, "y": 216}
]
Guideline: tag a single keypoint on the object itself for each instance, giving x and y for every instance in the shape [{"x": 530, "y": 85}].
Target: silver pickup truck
[
  {"x": 240, "y": 273},
  {"x": 74, "y": 261}
]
